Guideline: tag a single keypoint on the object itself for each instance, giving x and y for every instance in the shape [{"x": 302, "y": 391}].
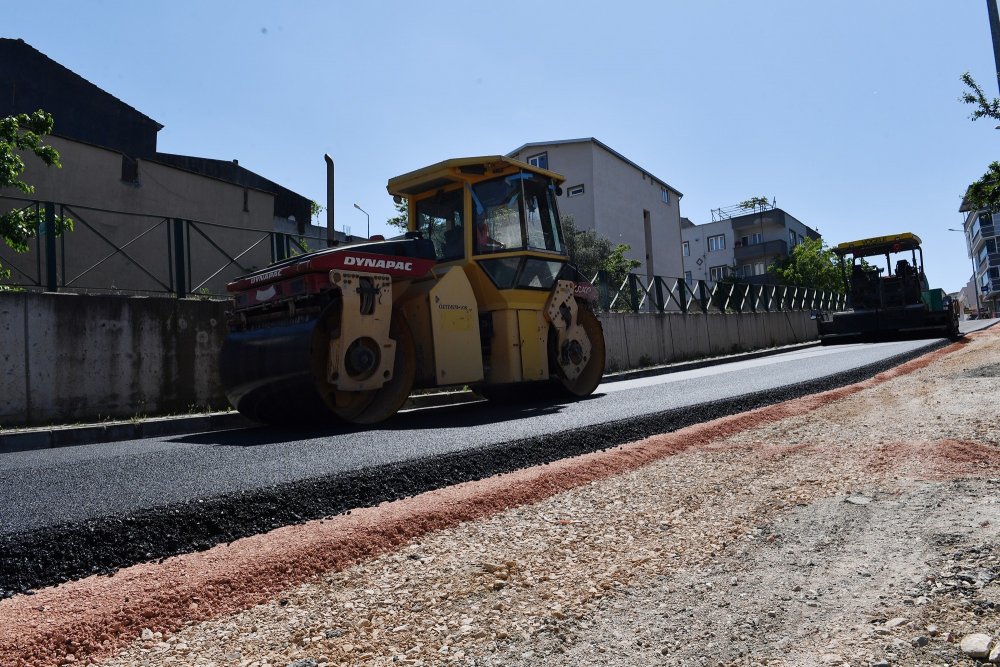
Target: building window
[
  {"x": 984, "y": 253},
  {"x": 687, "y": 277},
  {"x": 574, "y": 191},
  {"x": 747, "y": 270},
  {"x": 752, "y": 239},
  {"x": 791, "y": 239},
  {"x": 686, "y": 248},
  {"x": 665, "y": 195},
  {"x": 130, "y": 170},
  {"x": 541, "y": 160},
  {"x": 801, "y": 239},
  {"x": 759, "y": 268},
  {"x": 716, "y": 243},
  {"x": 717, "y": 273}
]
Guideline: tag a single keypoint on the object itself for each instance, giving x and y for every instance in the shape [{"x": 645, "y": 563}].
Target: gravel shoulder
[{"x": 856, "y": 527}]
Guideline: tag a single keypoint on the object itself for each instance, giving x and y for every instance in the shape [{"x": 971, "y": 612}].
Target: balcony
[
  {"x": 758, "y": 250},
  {"x": 990, "y": 289},
  {"x": 983, "y": 232},
  {"x": 756, "y": 220}
]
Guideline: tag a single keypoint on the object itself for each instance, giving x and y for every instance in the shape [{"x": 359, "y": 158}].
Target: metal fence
[
  {"x": 133, "y": 253},
  {"x": 664, "y": 295}
]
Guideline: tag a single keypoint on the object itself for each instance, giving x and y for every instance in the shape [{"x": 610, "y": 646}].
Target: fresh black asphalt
[{"x": 72, "y": 512}]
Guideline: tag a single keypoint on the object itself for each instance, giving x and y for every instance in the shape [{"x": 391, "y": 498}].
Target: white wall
[{"x": 697, "y": 237}]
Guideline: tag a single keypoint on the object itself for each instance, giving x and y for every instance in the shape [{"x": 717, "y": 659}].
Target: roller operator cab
[
  {"x": 887, "y": 293},
  {"x": 478, "y": 293}
]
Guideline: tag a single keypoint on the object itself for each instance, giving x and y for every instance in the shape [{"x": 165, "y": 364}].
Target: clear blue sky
[{"x": 846, "y": 112}]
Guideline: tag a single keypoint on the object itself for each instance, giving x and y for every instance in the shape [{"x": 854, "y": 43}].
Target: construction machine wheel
[
  {"x": 586, "y": 382},
  {"x": 347, "y": 405},
  {"x": 386, "y": 401},
  {"x": 268, "y": 375},
  {"x": 343, "y": 405}
]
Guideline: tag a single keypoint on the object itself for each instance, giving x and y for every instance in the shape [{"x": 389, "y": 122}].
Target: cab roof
[
  {"x": 879, "y": 245},
  {"x": 459, "y": 170}
]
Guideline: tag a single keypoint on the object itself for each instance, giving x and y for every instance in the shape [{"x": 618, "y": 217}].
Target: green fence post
[
  {"x": 658, "y": 281},
  {"x": 681, "y": 291},
  {"x": 633, "y": 292},
  {"x": 180, "y": 288},
  {"x": 51, "y": 276},
  {"x": 603, "y": 293}
]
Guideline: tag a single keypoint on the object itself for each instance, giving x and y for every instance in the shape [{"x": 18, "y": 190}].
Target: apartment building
[
  {"x": 982, "y": 245},
  {"x": 740, "y": 242},
  {"x": 608, "y": 193}
]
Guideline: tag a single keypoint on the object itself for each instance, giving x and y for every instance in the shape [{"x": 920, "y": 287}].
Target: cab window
[{"x": 439, "y": 217}]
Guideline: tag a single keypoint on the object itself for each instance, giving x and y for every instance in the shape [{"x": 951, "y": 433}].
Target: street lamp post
[
  {"x": 369, "y": 220},
  {"x": 975, "y": 284}
]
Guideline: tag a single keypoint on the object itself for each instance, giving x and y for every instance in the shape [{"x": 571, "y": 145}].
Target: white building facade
[
  {"x": 613, "y": 196},
  {"x": 983, "y": 246},
  {"x": 742, "y": 246}
]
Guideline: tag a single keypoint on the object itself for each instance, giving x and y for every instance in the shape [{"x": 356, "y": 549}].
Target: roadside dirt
[{"x": 856, "y": 527}]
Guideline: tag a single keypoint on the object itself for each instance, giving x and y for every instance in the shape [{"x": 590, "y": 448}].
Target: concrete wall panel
[
  {"x": 93, "y": 357},
  {"x": 13, "y": 362},
  {"x": 689, "y": 336},
  {"x": 645, "y": 337}
]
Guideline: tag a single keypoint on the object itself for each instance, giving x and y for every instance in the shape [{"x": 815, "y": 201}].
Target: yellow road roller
[{"x": 477, "y": 293}]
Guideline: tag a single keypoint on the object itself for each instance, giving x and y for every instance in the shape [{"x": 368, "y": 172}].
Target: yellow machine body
[{"x": 478, "y": 293}]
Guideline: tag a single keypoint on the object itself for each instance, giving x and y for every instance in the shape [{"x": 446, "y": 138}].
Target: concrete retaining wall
[
  {"x": 635, "y": 340},
  {"x": 67, "y": 358}
]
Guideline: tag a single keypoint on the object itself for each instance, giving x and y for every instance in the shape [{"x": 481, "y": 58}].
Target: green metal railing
[
  {"x": 665, "y": 295},
  {"x": 139, "y": 253}
]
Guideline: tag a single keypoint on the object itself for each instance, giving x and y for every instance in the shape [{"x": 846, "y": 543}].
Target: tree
[
  {"x": 24, "y": 133},
  {"x": 401, "y": 220},
  {"x": 986, "y": 108},
  {"x": 755, "y": 204},
  {"x": 811, "y": 264},
  {"x": 590, "y": 252},
  {"x": 985, "y": 192},
  {"x": 586, "y": 249},
  {"x": 618, "y": 265}
]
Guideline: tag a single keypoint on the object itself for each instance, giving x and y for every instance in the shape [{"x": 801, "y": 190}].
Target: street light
[
  {"x": 369, "y": 220},
  {"x": 975, "y": 284}
]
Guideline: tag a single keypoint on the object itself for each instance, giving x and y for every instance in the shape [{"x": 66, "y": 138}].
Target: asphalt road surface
[{"x": 45, "y": 488}]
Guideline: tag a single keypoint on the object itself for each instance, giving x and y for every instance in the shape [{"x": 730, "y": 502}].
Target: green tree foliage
[
  {"x": 755, "y": 204},
  {"x": 985, "y": 108},
  {"x": 315, "y": 211},
  {"x": 586, "y": 249},
  {"x": 811, "y": 264},
  {"x": 402, "y": 218},
  {"x": 985, "y": 192},
  {"x": 19, "y": 134},
  {"x": 618, "y": 265},
  {"x": 590, "y": 252}
]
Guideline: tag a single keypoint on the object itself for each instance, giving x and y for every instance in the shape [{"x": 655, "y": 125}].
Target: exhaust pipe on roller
[{"x": 331, "y": 236}]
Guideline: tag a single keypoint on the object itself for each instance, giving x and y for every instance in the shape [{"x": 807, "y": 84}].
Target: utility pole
[{"x": 991, "y": 7}]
